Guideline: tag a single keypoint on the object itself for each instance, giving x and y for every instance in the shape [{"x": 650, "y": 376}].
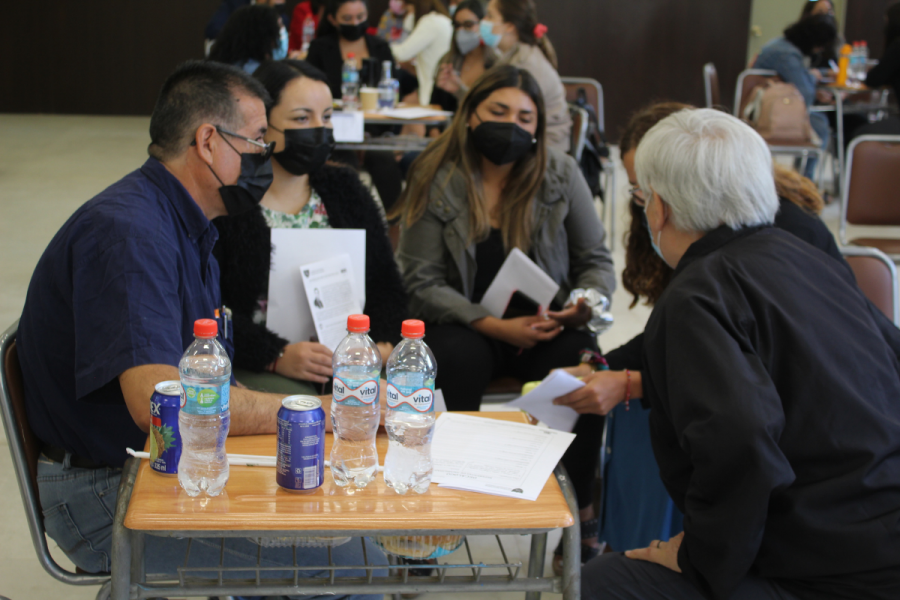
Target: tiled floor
[{"x": 49, "y": 165}]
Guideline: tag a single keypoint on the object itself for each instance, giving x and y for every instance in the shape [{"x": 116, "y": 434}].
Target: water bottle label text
[
  {"x": 355, "y": 393},
  {"x": 205, "y": 399},
  {"x": 409, "y": 399}
]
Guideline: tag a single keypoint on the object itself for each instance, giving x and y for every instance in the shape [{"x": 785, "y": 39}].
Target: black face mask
[
  {"x": 305, "y": 150},
  {"x": 252, "y": 184},
  {"x": 502, "y": 143},
  {"x": 351, "y": 33}
]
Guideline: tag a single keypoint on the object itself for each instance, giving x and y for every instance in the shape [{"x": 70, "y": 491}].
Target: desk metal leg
[
  {"x": 536, "y": 561},
  {"x": 122, "y": 537},
  {"x": 571, "y": 576},
  {"x": 839, "y": 116}
]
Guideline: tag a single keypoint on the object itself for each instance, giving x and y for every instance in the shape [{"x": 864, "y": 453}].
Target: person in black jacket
[
  {"x": 772, "y": 385},
  {"x": 306, "y": 192}
]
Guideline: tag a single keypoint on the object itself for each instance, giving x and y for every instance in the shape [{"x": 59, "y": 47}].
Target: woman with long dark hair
[
  {"x": 307, "y": 192},
  {"x": 252, "y": 35},
  {"x": 467, "y": 60}
]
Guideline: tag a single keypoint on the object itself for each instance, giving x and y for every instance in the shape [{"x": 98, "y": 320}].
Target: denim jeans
[{"x": 79, "y": 506}]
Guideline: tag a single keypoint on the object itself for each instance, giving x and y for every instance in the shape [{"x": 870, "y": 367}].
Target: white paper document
[
  {"x": 495, "y": 457},
  {"x": 414, "y": 112},
  {"x": 539, "y": 401},
  {"x": 288, "y": 312},
  {"x": 347, "y": 126},
  {"x": 519, "y": 273},
  {"x": 329, "y": 293}
]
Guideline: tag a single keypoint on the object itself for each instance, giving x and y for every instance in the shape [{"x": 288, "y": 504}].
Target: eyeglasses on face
[{"x": 265, "y": 149}]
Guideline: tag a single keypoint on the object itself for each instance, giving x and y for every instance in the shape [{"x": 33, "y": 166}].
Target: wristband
[{"x": 627, "y": 388}]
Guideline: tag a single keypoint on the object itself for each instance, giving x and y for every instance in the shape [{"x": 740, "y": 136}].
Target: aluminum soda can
[
  {"x": 300, "y": 464},
  {"x": 165, "y": 441}
]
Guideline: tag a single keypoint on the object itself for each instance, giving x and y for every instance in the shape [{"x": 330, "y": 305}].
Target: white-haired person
[{"x": 773, "y": 387}]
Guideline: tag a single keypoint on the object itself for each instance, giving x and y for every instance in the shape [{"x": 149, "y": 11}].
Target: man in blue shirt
[{"x": 112, "y": 303}]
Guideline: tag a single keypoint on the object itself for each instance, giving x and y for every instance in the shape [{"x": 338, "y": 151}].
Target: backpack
[
  {"x": 595, "y": 148},
  {"x": 778, "y": 113}
]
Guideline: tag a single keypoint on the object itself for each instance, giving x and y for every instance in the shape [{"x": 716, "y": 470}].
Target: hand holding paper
[{"x": 539, "y": 401}]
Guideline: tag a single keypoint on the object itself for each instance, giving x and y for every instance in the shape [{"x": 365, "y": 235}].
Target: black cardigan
[
  {"x": 325, "y": 54},
  {"x": 244, "y": 253}
]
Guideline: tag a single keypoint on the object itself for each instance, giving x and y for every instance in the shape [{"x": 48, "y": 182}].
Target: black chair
[{"x": 25, "y": 448}]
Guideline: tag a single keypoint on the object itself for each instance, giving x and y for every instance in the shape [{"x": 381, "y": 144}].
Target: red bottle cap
[
  {"x": 351, "y": 55},
  {"x": 206, "y": 328},
  {"x": 412, "y": 328},
  {"x": 358, "y": 323}
]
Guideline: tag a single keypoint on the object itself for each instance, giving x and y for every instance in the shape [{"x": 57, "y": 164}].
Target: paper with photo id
[
  {"x": 519, "y": 273},
  {"x": 329, "y": 289},
  {"x": 288, "y": 312},
  {"x": 539, "y": 401},
  {"x": 495, "y": 457}
]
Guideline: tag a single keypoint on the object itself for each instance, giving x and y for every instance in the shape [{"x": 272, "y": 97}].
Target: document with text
[
  {"x": 495, "y": 457},
  {"x": 329, "y": 290}
]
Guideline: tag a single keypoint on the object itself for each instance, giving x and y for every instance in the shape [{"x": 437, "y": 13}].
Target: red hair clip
[{"x": 539, "y": 30}]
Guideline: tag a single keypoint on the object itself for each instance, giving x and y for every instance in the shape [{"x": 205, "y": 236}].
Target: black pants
[
  {"x": 617, "y": 577},
  {"x": 468, "y": 361}
]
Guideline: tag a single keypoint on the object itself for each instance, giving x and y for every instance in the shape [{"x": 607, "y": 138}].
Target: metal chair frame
[
  {"x": 801, "y": 152},
  {"x": 845, "y": 180},
  {"x": 29, "y": 493},
  {"x": 609, "y": 167},
  {"x": 884, "y": 258},
  {"x": 581, "y": 134},
  {"x": 708, "y": 70}
]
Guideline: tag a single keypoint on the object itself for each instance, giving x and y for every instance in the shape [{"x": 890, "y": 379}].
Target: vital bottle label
[
  {"x": 410, "y": 399},
  {"x": 353, "y": 392},
  {"x": 205, "y": 399}
]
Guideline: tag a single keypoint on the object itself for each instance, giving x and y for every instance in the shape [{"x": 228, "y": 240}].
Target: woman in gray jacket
[{"x": 487, "y": 185}]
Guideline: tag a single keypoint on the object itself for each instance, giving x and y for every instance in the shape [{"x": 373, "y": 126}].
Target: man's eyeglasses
[
  {"x": 267, "y": 149},
  {"x": 637, "y": 196}
]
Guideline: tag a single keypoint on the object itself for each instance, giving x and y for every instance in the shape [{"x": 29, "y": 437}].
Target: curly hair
[
  {"x": 645, "y": 274},
  {"x": 793, "y": 186},
  {"x": 250, "y": 33}
]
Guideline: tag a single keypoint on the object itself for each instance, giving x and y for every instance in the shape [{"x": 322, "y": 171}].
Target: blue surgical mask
[
  {"x": 653, "y": 243},
  {"x": 281, "y": 50},
  {"x": 490, "y": 39}
]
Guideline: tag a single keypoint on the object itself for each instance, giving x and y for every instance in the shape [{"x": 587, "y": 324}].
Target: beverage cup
[{"x": 369, "y": 98}]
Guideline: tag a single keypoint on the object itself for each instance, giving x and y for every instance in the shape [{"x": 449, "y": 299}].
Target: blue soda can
[
  {"x": 165, "y": 441},
  {"x": 300, "y": 466}
]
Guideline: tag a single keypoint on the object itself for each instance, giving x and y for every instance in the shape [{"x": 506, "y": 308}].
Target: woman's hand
[
  {"x": 573, "y": 316},
  {"x": 448, "y": 80},
  {"x": 601, "y": 393},
  {"x": 307, "y": 361},
  {"x": 661, "y": 553},
  {"x": 582, "y": 370},
  {"x": 385, "y": 348},
  {"x": 522, "y": 332}
]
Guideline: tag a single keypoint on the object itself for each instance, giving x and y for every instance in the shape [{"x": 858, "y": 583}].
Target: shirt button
[{"x": 608, "y": 450}]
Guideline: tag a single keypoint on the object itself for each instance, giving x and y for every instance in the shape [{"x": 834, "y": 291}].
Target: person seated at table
[
  {"x": 823, "y": 59},
  {"x": 308, "y": 9},
  {"x": 779, "y": 445},
  {"x": 306, "y": 193},
  {"x": 252, "y": 35},
  {"x": 785, "y": 55},
  {"x": 396, "y": 23},
  {"x": 467, "y": 60},
  {"x": 226, "y": 9},
  {"x": 430, "y": 40},
  {"x": 111, "y": 308},
  {"x": 487, "y": 185},
  {"x": 512, "y": 28}
]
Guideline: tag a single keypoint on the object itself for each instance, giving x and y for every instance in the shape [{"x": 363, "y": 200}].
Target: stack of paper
[
  {"x": 495, "y": 457},
  {"x": 519, "y": 274}
]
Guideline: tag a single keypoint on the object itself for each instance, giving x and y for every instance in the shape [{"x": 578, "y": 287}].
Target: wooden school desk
[{"x": 254, "y": 506}]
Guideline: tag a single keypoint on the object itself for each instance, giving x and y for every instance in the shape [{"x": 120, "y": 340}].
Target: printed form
[{"x": 495, "y": 457}]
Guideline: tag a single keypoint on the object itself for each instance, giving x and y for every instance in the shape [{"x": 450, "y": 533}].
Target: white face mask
[{"x": 467, "y": 41}]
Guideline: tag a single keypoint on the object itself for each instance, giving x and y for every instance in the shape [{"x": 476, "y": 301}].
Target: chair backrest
[
  {"x": 747, "y": 81},
  {"x": 870, "y": 182},
  {"x": 876, "y": 276},
  {"x": 579, "y": 130},
  {"x": 593, "y": 92},
  {"x": 711, "y": 85},
  {"x": 25, "y": 448}
]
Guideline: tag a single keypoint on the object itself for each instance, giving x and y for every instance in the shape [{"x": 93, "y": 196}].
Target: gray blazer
[{"x": 438, "y": 265}]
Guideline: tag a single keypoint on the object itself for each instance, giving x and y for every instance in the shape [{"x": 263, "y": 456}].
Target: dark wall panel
[
  {"x": 642, "y": 50},
  {"x": 865, "y": 21},
  {"x": 95, "y": 56}
]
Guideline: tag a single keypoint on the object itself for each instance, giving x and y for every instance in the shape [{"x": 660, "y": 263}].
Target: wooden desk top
[{"x": 252, "y": 501}]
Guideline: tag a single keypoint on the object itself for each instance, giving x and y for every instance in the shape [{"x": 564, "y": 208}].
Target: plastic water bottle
[
  {"x": 309, "y": 32},
  {"x": 204, "y": 417},
  {"x": 856, "y": 63},
  {"x": 355, "y": 409},
  {"x": 410, "y": 412},
  {"x": 388, "y": 87},
  {"x": 350, "y": 83}
]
